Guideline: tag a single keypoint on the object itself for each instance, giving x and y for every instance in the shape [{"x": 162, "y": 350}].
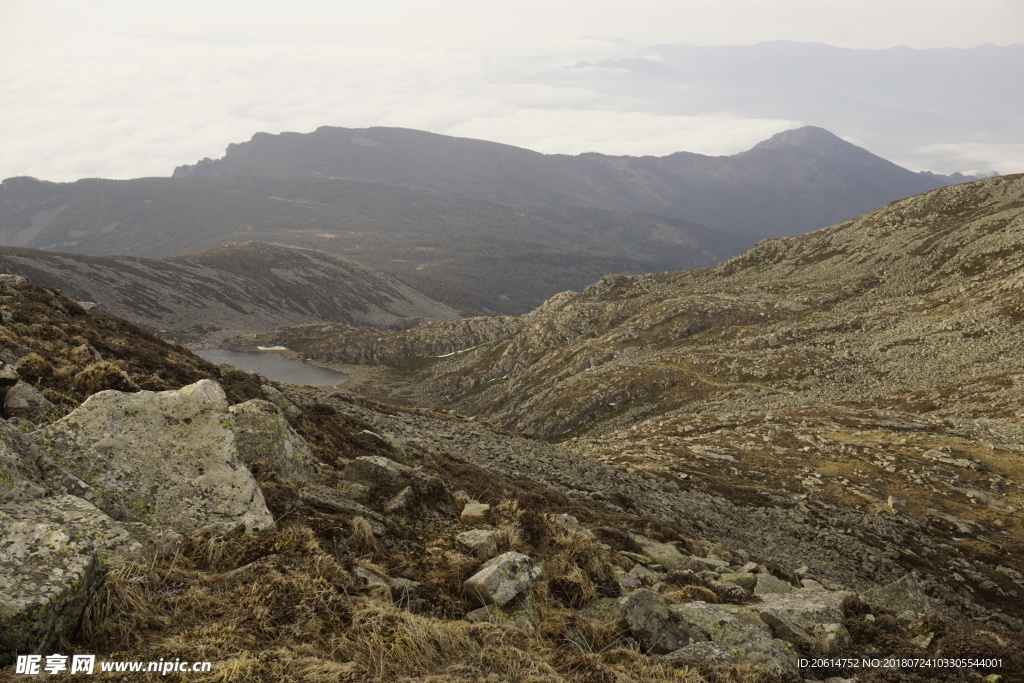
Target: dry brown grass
[
  {"x": 34, "y": 368},
  {"x": 361, "y": 539},
  {"x": 101, "y": 376}
]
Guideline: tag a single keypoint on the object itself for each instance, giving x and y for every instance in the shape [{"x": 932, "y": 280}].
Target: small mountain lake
[{"x": 275, "y": 367}]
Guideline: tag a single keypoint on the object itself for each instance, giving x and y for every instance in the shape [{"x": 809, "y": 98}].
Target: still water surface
[{"x": 275, "y": 367}]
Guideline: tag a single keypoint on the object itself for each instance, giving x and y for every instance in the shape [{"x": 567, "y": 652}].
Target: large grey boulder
[
  {"x": 381, "y": 475},
  {"x": 656, "y": 627},
  {"x": 53, "y": 552},
  {"x": 734, "y": 635},
  {"x": 806, "y": 617},
  {"x": 668, "y": 556},
  {"x": 164, "y": 458},
  {"x": 19, "y": 471},
  {"x": 262, "y": 433},
  {"x": 502, "y": 579}
]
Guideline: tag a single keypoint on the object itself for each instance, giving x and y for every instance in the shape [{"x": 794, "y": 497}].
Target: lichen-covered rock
[
  {"x": 332, "y": 500},
  {"x": 23, "y": 400},
  {"x": 8, "y": 375},
  {"x": 906, "y": 593},
  {"x": 521, "y": 612},
  {"x": 290, "y": 410},
  {"x": 262, "y": 433},
  {"x": 481, "y": 542},
  {"x": 381, "y": 475},
  {"x": 474, "y": 513},
  {"x": 503, "y": 578},
  {"x": 19, "y": 473},
  {"x": 668, "y": 556},
  {"x": 166, "y": 458},
  {"x": 806, "y": 616},
  {"x": 745, "y": 581},
  {"x": 732, "y": 634},
  {"x": 53, "y": 552},
  {"x": 767, "y": 584},
  {"x": 657, "y": 628}
]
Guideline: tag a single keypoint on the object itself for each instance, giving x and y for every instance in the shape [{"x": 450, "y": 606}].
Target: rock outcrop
[{"x": 166, "y": 458}]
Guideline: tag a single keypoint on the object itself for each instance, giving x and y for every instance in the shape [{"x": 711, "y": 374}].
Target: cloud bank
[{"x": 105, "y": 88}]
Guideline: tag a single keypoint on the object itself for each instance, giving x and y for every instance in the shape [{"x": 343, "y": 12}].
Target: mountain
[
  {"x": 868, "y": 372},
  {"x": 404, "y": 231},
  {"x": 795, "y": 182},
  {"x": 229, "y": 290},
  {"x": 483, "y": 227}
]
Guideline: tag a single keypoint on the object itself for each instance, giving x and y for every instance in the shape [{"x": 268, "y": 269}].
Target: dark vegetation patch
[{"x": 69, "y": 354}]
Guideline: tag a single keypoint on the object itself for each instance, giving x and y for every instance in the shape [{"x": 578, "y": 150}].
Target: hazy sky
[{"x": 119, "y": 89}]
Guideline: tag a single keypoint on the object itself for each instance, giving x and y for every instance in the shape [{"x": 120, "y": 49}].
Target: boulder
[
  {"x": 474, "y": 513},
  {"x": 20, "y": 476},
  {"x": 657, "y": 628},
  {"x": 806, "y": 617},
  {"x": 262, "y": 433},
  {"x": 289, "y": 409},
  {"x": 54, "y": 553},
  {"x": 521, "y": 612},
  {"x": 732, "y": 634},
  {"x": 668, "y": 556},
  {"x": 766, "y": 584},
  {"x": 503, "y": 578},
  {"x": 905, "y": 594},
  {"x": 24, "y": 401},
  {"x": 8, "y": 375},
  {"x": 164, "y": 458},
  {"x": 481, "y": 542},
  {"x": 381, "y": 475}
]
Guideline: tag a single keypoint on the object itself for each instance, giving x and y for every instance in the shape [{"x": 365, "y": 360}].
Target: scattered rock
[
  {"x": 734, "y": 635},
  {"x": 658, "y": 629},
  {"x": 668, "y": 556},
  {"x": 380, "y": 474},
  {"x": 481, "y": 542},
  {"x": 262, "y": 433},
  {"x": 474, "y": 513},
  {"x": 766, "y": 583},
  {"x": 24, "y": 401},
  {"x": 502, "y": 578}
]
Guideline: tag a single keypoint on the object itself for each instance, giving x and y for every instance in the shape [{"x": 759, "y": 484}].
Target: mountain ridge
[
  {"x": 230, "y": 289},
  {"x": 647, "y": 183}
]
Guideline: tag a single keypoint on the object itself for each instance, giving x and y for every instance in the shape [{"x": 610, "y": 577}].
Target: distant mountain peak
[{"x": 808, "y": 138}]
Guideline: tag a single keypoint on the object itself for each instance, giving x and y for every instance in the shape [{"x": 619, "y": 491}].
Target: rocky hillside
[
  {"x": 229, "y": 290},
  {"x": 868, "y": 372},
  {"x": 281, "y": 533},
  {"x": 459, "y": 248}
]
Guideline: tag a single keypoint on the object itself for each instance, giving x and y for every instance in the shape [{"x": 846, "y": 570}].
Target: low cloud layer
[{"x": 82, "y": 104}]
